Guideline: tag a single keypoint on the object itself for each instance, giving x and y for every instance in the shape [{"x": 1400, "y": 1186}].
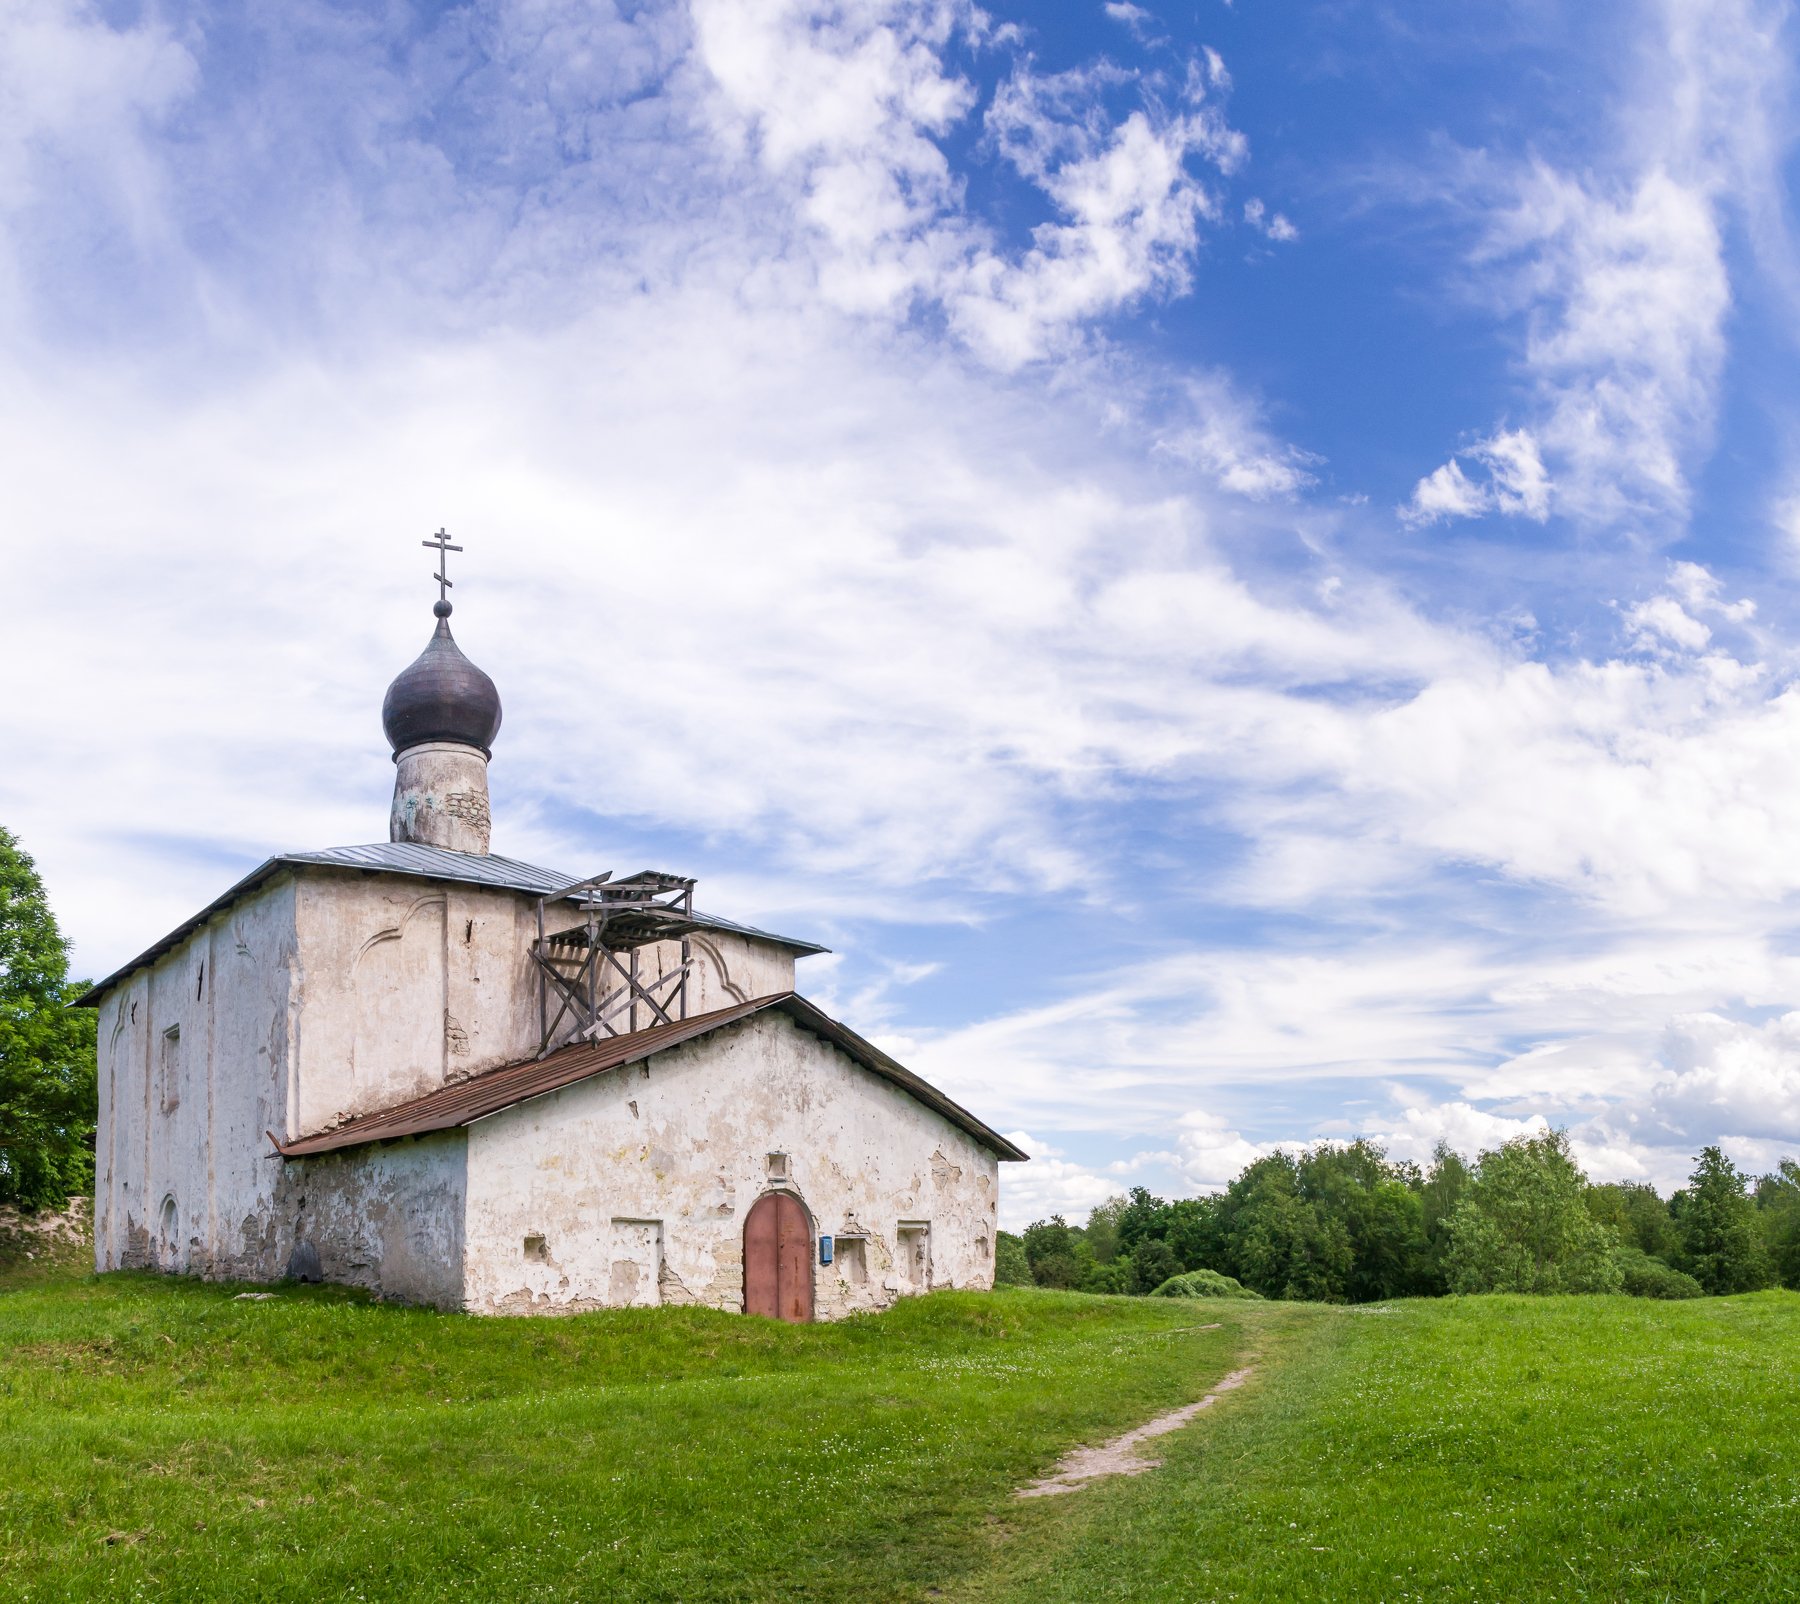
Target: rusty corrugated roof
[{"x": 497, "y": 1089}]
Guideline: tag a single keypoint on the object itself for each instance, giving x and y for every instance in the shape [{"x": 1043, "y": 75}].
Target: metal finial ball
[{"x": 442, "y": 609}]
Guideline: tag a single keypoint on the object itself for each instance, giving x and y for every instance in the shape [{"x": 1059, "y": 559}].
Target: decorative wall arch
[
  {"x": 397, "y": 977},
  {"x": 726, "y": 984},
  {"x": 393, "y": 932}
]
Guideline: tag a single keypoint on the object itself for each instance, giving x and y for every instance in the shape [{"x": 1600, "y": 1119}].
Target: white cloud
[
  {"x": 1210, "y": 1155},
  {"x": 1446, "y": 492},
  {"x": 1515, "y": 483},
  {"x": 849, "y": 104},
  {"x": 925, "y": 623},
  {"x": 1271, "y": 224},
  {"x": 1664, "y": 616},
  {"x": 1619, "y": 270},
  {"x": 1050, "y": 1184}
]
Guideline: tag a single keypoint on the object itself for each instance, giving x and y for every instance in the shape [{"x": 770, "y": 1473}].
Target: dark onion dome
[{"x": 441, "y": 697}]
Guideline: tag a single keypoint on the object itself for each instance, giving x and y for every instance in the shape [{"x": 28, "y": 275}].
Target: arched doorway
[{"x": 778, "y": 1258}]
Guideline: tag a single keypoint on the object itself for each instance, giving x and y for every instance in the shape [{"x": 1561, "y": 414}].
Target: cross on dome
[{"x": 440, "y": 543}]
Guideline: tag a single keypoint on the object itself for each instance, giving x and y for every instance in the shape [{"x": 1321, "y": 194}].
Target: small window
[
  {"x": 853, "y": 1260},
  {"x": 778, "y": 1166},
  {"x": 912, "y": 1240},
  {"x": 168, "y": 1071},
  {"x": 536, "y": 1252}
]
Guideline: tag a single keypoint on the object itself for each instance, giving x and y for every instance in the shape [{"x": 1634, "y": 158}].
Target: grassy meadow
[{"x": 162, "y": 1439}]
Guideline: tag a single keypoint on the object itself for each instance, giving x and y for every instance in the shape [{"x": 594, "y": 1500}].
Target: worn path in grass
[
  {"x": 1467, "y": 1449},
  {"x": 162, "y": 1439}
]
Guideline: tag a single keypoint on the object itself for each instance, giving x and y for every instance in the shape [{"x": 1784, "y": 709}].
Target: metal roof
[
  {"x": 426, "y": 863},
  {"x": 496, "y": 1089}
]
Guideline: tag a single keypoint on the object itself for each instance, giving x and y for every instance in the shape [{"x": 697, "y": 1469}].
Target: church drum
[{"x": 778, "y": 1259}]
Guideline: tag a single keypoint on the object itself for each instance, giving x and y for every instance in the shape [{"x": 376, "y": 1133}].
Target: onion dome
[{"x": 442, "y": 696}]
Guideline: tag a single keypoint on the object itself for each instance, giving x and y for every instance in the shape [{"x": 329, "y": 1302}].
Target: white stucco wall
[
  {"x": 193, "y": 1069},
  {"x": 313, "y": 998},
  {"x": 406, "y": 984},
  {"x": 633, "y": 1187}
]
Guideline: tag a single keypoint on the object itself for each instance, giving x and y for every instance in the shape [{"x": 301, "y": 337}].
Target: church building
[{"x": 460, "y": 1080}]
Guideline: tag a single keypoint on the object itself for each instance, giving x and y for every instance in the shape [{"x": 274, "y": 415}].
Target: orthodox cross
[{"x": 441, "y": 545}]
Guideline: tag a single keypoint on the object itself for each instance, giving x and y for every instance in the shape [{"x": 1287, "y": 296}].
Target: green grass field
[{"x": 164, "y": 1440}]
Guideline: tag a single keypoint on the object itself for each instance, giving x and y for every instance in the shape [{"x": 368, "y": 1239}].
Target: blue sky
[{"x": 1236, "y": 563}]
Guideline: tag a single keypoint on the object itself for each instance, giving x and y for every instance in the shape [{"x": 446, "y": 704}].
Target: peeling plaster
[{"x": 328, "y": 993}]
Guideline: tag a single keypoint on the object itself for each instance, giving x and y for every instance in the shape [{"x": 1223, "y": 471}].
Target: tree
[
  {"x": 1280, "y": 1243},
  {"x": 1103, "y": 1229},
  {"x": 47, "y": 1078},
  {"x": 1443, "y": 1185},
  {"x": 1522, "y": 1224},
  {"x": 1721, "y": 1237},
  {"x": 1379, "y": 1207},
  {"x": 1152, "y": 1263},
  {"x": 1196, "y": 1232},
  {"x": 1143, "y": 1217},
  {"x": 1638, "y": 1214},
  {"x": 1050, "y": 1250},
  {"x": 1778, "y": 1208}
]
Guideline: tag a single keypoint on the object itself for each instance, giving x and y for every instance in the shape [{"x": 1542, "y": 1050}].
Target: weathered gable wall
[
  {"x": 633, "y": 1187},
  {"x": 406, "y": 984},
  {"x": 193, "y": 1059},
  {"x": 409, "y": 984}
]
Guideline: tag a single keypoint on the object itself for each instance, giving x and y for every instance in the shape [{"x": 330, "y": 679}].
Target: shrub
[
  {"x": 1011, "y": 1267},
  {"x": 1648, "y": 1277},
  {"x": 1114, "y": 1277},
  {"x": 1204, "y": 1284}
]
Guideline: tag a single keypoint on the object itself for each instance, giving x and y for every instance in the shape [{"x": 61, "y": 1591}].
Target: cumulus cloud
[
  {"x": 850, "y": 104},
  {"x": 1513, "y": 482},
  {"x": 773, "y": 573}
]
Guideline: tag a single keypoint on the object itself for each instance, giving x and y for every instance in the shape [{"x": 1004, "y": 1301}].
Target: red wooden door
[{"x": 778, "y": 1259}]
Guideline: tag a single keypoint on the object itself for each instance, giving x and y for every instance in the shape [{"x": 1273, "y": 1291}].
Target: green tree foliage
[
  {"x": 1050, "y": 1251},
  {"x": 1638, "y": 1214},
  {"x": 1153, "y": 1262},
  {"x": 1143, "y": 1218},
  {"x": 1011, "y": 1267},
  {"x": 47, "y": 1081},
  {"x": 1522, "y": 1225},
  {"x": 1778, "y": 1208},
  {"x": 1102, "y": 1230},
  {"x": 1195, "y": 1231},
  {"x": 1337, "y": 1223},
  {"x": 1113, "y": 1277},
  {"x": 1721, "y": 1236},
  {"x": 1443, "y": 1186},
  {"x": 1342, "y": 1222}
]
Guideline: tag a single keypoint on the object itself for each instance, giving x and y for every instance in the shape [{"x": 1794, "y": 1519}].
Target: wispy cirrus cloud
[
  {"x": 1618, "y": 269},
  {"x": 822, "y": 536}
]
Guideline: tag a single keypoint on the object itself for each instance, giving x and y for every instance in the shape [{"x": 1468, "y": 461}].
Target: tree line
[{"x": 1343, "y": 1223}]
